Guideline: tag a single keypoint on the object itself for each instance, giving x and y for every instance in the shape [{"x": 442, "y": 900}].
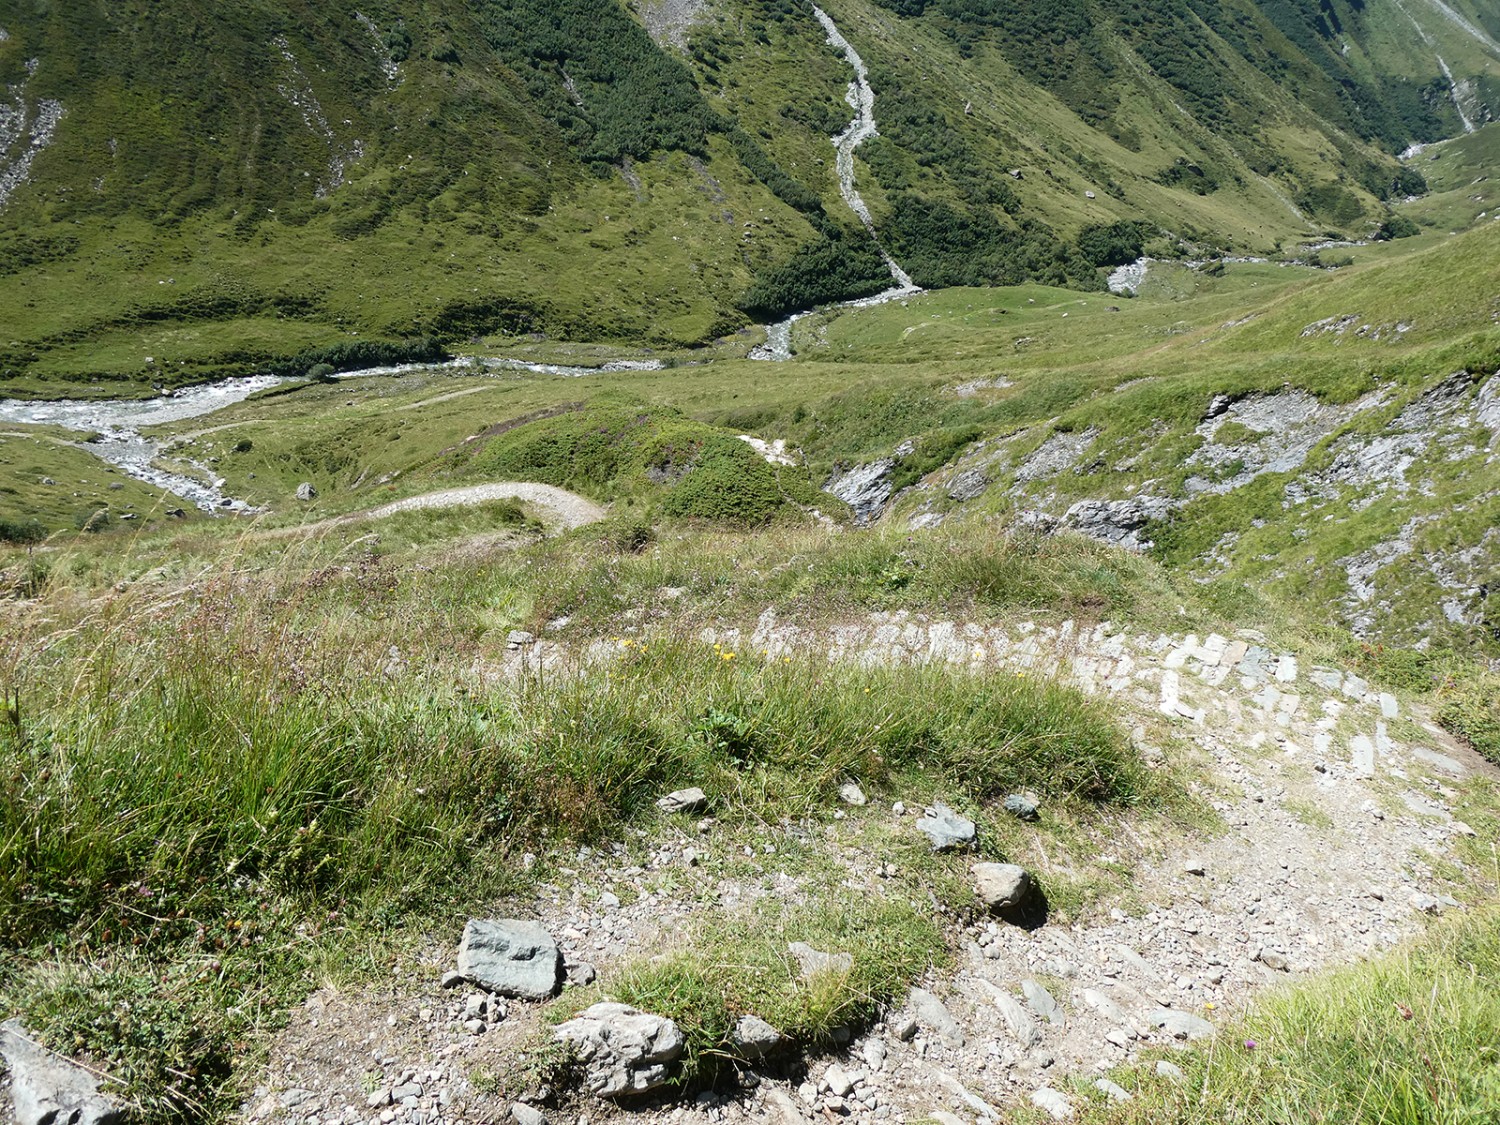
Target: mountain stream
[{"x": 861, "y": 98}]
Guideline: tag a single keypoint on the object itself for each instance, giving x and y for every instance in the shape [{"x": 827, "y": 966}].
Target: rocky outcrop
[
  {"x": 1121, "y": 523},
  {"x": 865, "y": 488},
  {"x": 622, "y": 1050}
]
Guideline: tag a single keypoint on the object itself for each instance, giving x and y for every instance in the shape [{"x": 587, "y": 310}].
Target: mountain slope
[{"x": 188, "y": 191}]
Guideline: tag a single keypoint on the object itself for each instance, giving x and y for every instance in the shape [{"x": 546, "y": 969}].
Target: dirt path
[
  {"x": 560, "y": 509},
  {"x": 566, "y": 509},
  {"x": 1335, "y": 807}
]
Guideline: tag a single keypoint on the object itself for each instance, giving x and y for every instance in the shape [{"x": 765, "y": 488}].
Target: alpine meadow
[{"x": 719, "y": 562}]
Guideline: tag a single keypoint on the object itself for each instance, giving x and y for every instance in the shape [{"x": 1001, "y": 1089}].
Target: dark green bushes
[
  {"x": 1114, "y": 244},
  {"x": 841, "y": 267},
  {"x": 940, "y": 244}
]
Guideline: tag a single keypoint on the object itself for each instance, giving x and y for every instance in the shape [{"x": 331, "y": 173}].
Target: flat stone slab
[
  {"x": 511, "y": 957},
  {"x": 1181, "y": 1025},
  {"x": 48, "y": 1089},
  {"x": 934, "y": 1015},
  {"x": 945, "y": 828}
]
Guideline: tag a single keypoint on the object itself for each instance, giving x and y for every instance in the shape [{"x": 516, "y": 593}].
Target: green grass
[
  {"x": 1405, "y": 1038},
  {"x": 743, "y": 967},
  {"x": 209, "y": 795}
]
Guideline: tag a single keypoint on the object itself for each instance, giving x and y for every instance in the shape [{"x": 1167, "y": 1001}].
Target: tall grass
[{"x": 197, "y": 776}]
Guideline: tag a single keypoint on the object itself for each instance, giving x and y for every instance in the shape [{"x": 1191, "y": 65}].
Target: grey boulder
[
  {"x": 305, "y": 491},
  {"x": 945, "y": 828},
  {"x": 48, "y": 1089},
  {"x": 1002, "y": 886},
  {"x": 623, "y": 1050},
  {"x": 684, "y": 800},
  {"x": 754, "y": 1037},
  {"x": 511, "y": 957}
]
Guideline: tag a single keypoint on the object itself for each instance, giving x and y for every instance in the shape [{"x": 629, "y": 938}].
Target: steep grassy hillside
[{"x": 186, "y": 194}]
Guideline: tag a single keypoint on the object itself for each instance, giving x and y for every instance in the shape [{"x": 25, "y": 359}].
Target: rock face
[
  {"x": 1002, "y": 886},
  {"x": 511, "y": 957},
  {"x": 1118, "y": 522},
  {"x": 48, "y": 1089},
  {"x": 865, "y": 488},
  {"x": 945, "y": 828},
  {"x": 967, "y": 485},
  {"x": 623, "y": 1050}
]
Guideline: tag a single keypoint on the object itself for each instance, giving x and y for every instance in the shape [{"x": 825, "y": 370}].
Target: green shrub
[{"x": 21, "y": 531}]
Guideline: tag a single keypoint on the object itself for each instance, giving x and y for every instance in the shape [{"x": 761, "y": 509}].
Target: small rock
[
  {"x": 1041, "y": 1001},
  {"x": 1425, "y": 903},
  {"x": 1110, "y": 1090},
  {"x": 1181, "y": 1025},
  {"x": 755, "y": 1037},
  {"x": 945, "y": 828},
  {"x": 1053, "y": 1103},
  {"x": 452, "y": 978},
  {"x": 1169, "y": 1070},
  {"x": 903, "y": 1027},
  {"x": 1017, "y": 1021},
  {"x": 511, "y": 957},
  {"x": 1194, "y": 866},
  {"x": 609, "y": 901},
  {"x": 475, "y": 1027},
  {"x": 684, "y": 801},
  {"x": 523, "y": 1114},
  {"x": 838, "y": 1083},
  {"x": 1103, "y": 1005},
  {"x": 295, "y": 1097},
  {"x": 1002, "y": 886},
  {"x": 379, "y": 1099},
  {"x": 815, "y": 961},
  {"x": 852, "y": 794},
  {"x": 1273, "y": 960},
  {"x": 932, "y": 1013},
  {"x": 580, "y": 973},
  {"x": 305, "y": 491},
  {"x": 407, "y": 1090},
  {"x": 48, "y": 1089},
  {"x": 1021, "y": 806},
  {"x": 520, "y": 638},
  {"x": 873, "y": 1052},
  {"x": 623, "y": 1050}
]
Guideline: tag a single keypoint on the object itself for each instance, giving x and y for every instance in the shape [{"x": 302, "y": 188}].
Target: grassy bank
[
  {"x": 1408, "y": 1038},
  {"x": 210, "y": 790}
]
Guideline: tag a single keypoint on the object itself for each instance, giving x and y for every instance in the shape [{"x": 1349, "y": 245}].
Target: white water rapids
[
  {"x": 861, "y": 98},
  {"x": 118, "y": 422}
]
